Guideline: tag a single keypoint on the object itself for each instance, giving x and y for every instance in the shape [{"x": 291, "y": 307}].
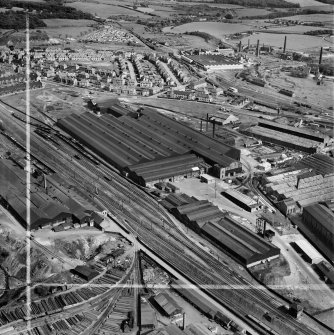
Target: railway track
[{"x": 229, "y": 289}]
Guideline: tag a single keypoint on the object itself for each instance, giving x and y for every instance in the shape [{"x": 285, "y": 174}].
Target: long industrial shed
[{"x": 140, "y": 147}]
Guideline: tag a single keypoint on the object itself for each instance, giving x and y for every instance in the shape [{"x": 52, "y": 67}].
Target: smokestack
[
  {"x": 184, "y": 321},
  {"x": 258, "y": 48},
  {"x": 213, "y": 128},
  {"x": 320, "y": 57},
  {"x": 240, "y": 46},
  {"x": 45, "y": 185},
  {"x": 201, "y": 125},
  {"x": 207, "y": 121},
  {"x": 284, "y": 47}
]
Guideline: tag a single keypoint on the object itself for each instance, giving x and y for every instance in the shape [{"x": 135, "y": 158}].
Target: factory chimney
[
  {"x": 258, "y": 48},
  {"x": 201, "y": 125},
  {"x": 207, "y": 121},
  {"x": 184, "y": 321},
  {"x": 284, "y": 47},
  {"x": 320, "y": 57},
  {"x": 45, "y": 185},
  {"x": 240, "y": 46}
]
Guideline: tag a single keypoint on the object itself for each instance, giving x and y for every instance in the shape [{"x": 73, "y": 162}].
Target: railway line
[
  {"x": 227, "y": 287},
  {"x": 123, "y": 186}
]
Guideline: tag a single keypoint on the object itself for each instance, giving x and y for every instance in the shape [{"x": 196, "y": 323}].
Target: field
[
  {"x": 105, "y": 10},
  {"x": 216, "y": 29},
  {"x": 71, "y": 28},
  {"x": 313, "y": 17},
  {"x": 295, "y": 41},
  {"x": 251, "y": 12},
  {"x": 306, "y": 3},
  {"x": 294, "y": 29}
]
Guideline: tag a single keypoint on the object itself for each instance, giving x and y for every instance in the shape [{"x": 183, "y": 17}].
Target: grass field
[
  {"x": 104, "y": 10},
  {"x": 241, "y": 12},
  {"x": 72, "y": 28},
  {"x": 305, "y": 3}
]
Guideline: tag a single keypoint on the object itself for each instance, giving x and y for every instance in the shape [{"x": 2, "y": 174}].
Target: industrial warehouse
[
  {"x": 220, "y": 229},
  {"x": 311, "y": 180},
  {"x": 291, "y": 137},
  {"x": 215, "y": 62},
  {"x": 50, "y": 207},
  {"x": 317, "y": 225},
  {"x": 140, "y": 147}
]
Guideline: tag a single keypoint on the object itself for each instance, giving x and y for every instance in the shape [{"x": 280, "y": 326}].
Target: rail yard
[{"x": 150, "y": 187}]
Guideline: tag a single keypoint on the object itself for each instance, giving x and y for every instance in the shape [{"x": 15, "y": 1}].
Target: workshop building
[
  {"x": 241, "y": 243},
  {"x": 127, "y": 142}
]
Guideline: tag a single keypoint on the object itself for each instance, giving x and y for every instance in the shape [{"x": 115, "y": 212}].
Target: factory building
[
  {"x": 327, "y": 271},
  {"x": 242, "y": 244},
  {"x": 309, "y": 252},
  {"x": 196, "y": 214},
  {"x": 196, "y": 299},
  {"x": 317, "y": 225},
  {"x": 242, "y": 200},
  {"x": 85, "y": 272},
  {"x": 130, "y": 143},
  {"x": 300, "y": 132},
  {"x": 49, "y": 207},
  {"x": 166, "y": 304},
  {"x": 300, "y": 139},
  {"x": 221, "y": 230},
  {"x": 167, "y": 169},
  {"x": 310, "y": 181},
  {"x": 216, "y": 62}
]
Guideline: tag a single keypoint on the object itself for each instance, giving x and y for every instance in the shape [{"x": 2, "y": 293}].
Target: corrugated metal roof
[{"x": 321, "y": 214}]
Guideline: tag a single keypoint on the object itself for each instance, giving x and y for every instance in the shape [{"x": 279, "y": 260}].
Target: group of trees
[
  {"x": 37, "y": 12},
  {"x": 320, "y": 32}
]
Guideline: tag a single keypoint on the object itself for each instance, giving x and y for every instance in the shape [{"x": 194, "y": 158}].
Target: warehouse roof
[
  {"x": 302, "y": 132},
  {"x": 167, "y": 303},
  {"x": 147, "y": 315},
  {"x": 309, "y": 250},
  {"x": 241, "y": 197},
  {"x": 209, "y": 60},
  {"x": 192, "y": 295},
  {"x": 327, "y": 270},
  {"x": 319, "y": 162},
  {"x": 322, "y": 214},
  {"x": 168, "y": 330},
  {"x": 249, "y": 246},
  {"x": 289, "y": 138},
  {"x": 127, "y": 141},
  {"x": 197, "y": 329}
]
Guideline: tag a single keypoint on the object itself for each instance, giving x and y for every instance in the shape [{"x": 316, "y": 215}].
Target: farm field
[
  {"x": 295, "y": 41},
  {"x": 241, "y": 12},
  {"x": 294, "y": 29},
  {"x": 216, "y": 29},
  {"x": 105, "y": 10},
  {"x": 67, "y": 27},
  {"x": 306, "y": 3}
]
